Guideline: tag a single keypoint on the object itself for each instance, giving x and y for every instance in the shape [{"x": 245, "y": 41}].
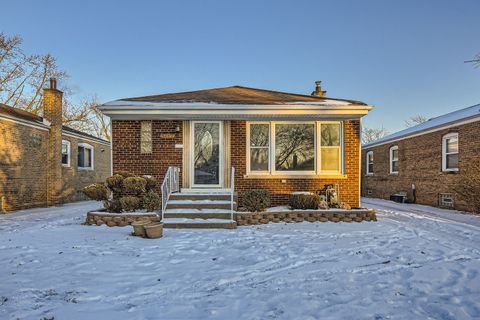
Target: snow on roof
[{"x": 433, "y": 123}]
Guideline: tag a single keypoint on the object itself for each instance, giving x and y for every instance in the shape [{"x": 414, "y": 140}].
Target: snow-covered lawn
[{"x": 416, "y": 262}]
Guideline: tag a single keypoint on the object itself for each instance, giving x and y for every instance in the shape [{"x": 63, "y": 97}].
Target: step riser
[
  {"x": 199, "y": 215},
  {"x": 200, "y": 225},
  {"x": 179, "y": 196},
  {"x": 225, "y": 206}
]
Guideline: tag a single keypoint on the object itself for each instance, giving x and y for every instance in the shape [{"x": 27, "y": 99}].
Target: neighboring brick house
[
  {"x": 282, "y": 142},
  {"x": 424, "y": 162},
  {"x": 43, "y": 162}
]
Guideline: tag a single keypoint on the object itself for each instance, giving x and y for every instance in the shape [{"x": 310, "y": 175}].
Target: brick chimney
[
  {"x": 52, "y": 112},
  {"x": 318, "y": 90}
]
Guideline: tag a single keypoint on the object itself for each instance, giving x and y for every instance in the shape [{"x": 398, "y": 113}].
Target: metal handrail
[
  {"x": 170, "y": 184},
  {"x": 232, "y": 190}
]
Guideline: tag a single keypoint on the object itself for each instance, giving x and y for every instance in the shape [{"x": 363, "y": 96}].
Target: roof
[
  {"x": 238, "y": 95},
  {"x": 470, "y": 113},
  {"x": 28, "y": 116},
  {"x": 234, "y": 103},
  {"x": 19, "y": 113}
]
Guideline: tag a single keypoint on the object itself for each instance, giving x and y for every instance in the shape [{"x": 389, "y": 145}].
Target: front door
[{"x": 207, "y": 153}]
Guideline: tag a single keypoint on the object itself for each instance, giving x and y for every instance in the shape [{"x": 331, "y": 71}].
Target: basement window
[
  {"x": 445, "y": 200},
  {"x": 66, "y": 150},
  {"x": 85, "y": 156}
]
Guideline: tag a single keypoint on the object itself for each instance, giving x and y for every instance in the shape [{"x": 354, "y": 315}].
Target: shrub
[
  {"x": 151, "y": 182},
  {"x": 151, "y": 201},
  {"x": 304, "y": 201},
  {"x": 256, "y": 200},
  {"x": 130, "y": 203},
  {"x": 115, "y": 183},
  {"x": 96, "y": 191},
  {"x": 134, "y": 185},
  {"x": 124, "y": 173},
  {"x": 113, "y": 205},
  {"x": 469, "y": 188}
]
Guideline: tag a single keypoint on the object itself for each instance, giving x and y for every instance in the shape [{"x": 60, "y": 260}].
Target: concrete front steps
[
  {"x": 200, "y": 210},
  {"x": 186, "y": 223}
]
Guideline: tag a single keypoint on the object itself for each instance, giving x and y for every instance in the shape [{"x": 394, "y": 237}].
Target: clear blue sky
[{"x": 404, "y": 57}]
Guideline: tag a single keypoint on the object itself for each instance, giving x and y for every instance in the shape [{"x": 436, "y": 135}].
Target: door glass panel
[{"x": 206, "y": 162}]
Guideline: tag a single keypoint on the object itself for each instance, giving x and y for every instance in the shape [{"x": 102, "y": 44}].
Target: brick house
[
  {"x": 43, "y": 162},
  {"x": 282, "y": 142},
  {"x": 424, "y": 162}
]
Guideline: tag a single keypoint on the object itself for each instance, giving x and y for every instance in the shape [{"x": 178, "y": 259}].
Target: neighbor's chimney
[
  {"x": 318, "y": 90},
  {"x": 52, "y": 112}
]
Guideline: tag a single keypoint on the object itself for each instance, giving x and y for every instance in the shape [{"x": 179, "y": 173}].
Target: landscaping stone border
[
  {"x": 357, "y": 215},
  {"x": 117, "y": 219}
]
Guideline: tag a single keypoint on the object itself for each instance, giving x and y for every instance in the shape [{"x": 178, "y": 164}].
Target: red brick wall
[
  {"x": 127, "y": 156},
  {"x": 349, "y": 188},
  {"x": 421, "y": 164},
  {"x": 126, "y": 148}
]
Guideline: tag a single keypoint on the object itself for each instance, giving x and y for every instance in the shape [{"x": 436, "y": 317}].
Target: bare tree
[
  {"x": 23, "y": 77},
  {"x": 415, "y": 120},
  {"x": 470, "y": 185},
  {"x": 372, "y": 134}
]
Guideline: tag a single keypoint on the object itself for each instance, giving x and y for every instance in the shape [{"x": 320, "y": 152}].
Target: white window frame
[
  {"x": 317, "y": 146},
  {"x": 69, "y": 152},
  {"x": 92, "y": 149},
  {"x": 391, "y": 159},
  {"x": 369, "y": 173},
  {"x": 259, "y": 172},
  {"x": 445, "y": 138}
]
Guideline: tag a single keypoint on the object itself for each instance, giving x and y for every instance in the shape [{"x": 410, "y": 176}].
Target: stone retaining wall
[
  {"x": 117, "y": 219},
  {"x": 249, "y": 218}
]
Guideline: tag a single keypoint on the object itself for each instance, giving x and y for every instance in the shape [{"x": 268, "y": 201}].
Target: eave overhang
[{"x": 204, "y": 111}]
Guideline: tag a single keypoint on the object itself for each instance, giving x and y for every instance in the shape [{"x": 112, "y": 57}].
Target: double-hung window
[
  {"x": 294, "y": 148},
  {"x": 450, "y": 152},
  {"x": 66, "y": 153},
  {"x": 85, "y": 156},
  {"x": 260, "y": 147},
  {"x": 394, "y": 160},
  {"x": 370, "y": 162}
]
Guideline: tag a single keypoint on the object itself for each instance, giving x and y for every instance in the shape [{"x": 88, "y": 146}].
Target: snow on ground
[{"x": 416, "y": 262}]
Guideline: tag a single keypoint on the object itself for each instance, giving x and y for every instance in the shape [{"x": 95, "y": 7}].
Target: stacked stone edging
[
  {"x": 359, "y": 215},
  {"x": 117, "y": 219}
]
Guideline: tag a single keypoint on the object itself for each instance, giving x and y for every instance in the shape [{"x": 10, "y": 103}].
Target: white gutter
[{"x": 172, "y": 111}]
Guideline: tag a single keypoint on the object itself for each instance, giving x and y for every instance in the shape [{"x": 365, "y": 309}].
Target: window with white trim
[
  {"x": 259, "y": 147},
  {"x": 281, "y": 148},
  {"x": 370, "y": 162},
  {"x": 450, "y": 152},
  {"x": 66, "y": 151},
  {"x": 85, "y": 156},
  {"x": 394, "y": 159}
]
